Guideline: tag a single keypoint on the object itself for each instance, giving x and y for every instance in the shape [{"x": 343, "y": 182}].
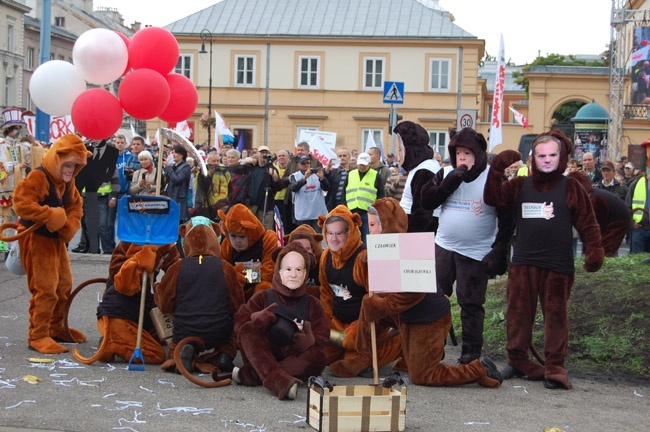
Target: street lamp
[{"x": 206, "y": 35}]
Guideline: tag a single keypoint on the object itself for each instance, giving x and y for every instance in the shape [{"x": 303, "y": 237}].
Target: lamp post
[{"x": 206, "y": 35}]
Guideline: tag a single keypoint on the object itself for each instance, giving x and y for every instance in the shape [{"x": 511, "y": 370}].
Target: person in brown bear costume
[
  {"x": 423, "y": 320},
  {"x": 546, "y": 204},
  {"x": 344, "y": 283},
  {"x": 246, "y": 240},
  {"x": 203, "y": 292},
  {"x": 612, "y": 214},
  {"x": 119, "y": 310},
  {"x": 306, "y": 236},
  {"x": 48, "y": 196},
  {"x": 282, "y": 332}
]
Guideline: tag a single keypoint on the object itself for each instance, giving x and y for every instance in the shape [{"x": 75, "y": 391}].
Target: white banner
[
  {"x": 328, "y": 138},
  {"x": 59, "y": 126},
  {"x": 496, "y": 136}
]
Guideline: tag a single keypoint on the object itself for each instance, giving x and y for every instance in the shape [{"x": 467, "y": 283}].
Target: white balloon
[
  {"x": 101, "y": 56},
  {"x": 55, "y": 85}
]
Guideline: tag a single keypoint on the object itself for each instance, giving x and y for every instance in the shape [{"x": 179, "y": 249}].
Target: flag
[
  {"x": 320, "y": 151},
  {"x": 133, "y": 134},
  {"x": 370, "y": 142},
  {"x": 220, "y": 126},
  {"x": 279, "y": 227},
  {"x": 496, "y": 136},
  {"x": 147, "y": 141},
  {"x": 183, "y": 129},
  {"x": 157, "y": 138},
  {"x": 519, "y": 117},
  {"x": 240, "y": 144}
]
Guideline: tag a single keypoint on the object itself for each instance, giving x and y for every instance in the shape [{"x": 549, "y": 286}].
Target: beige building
[{"x": 12, "y": 13}]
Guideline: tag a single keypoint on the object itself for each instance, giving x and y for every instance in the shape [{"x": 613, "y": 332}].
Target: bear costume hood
[
  {"x": 416, "y": 144},
  {"x": 67, "y": 148},
  {"x": 565, "y": 150},
  {"x": 353, "y": 220},
  {"x": 392, "y": 216},
  {"x": 278, "y": 255},
  {"x": 200, "y": 237},
  {"x": 475, "y": 142},
  {"x": 305, "y": 231},
  {"x": 240, "y": 220}
]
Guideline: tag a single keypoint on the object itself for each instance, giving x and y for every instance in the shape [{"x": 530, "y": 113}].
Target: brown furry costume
[
  {"x": 201, "y": 242},
  {"x": 240, "y": 220},
  {"x": 277, "y": 367},
  {"x": 422, "y": 342},
  {"x": 344, "y": 361},
  {"x": 306, "y": 232},
  {"x": 118, "y": 312},
  {"x": 44, "y": 254},
  {"x": 528, "y": 282},
  {"x": 612, "y": 214}
]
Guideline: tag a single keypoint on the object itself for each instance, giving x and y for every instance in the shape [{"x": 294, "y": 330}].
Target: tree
[{"x": 552, "y": 60}]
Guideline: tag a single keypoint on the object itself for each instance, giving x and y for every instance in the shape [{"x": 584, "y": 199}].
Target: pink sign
[{"x": 401, "y": 262}]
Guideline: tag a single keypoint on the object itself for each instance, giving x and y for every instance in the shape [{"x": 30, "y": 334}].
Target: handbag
[{"x": 13, "y": 262}]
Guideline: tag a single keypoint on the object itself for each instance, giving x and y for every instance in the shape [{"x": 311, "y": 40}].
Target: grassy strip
[{"x": 609, "y": 318}]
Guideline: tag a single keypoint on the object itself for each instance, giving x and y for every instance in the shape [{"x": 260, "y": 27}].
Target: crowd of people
[{"x": 295, "y": 304}]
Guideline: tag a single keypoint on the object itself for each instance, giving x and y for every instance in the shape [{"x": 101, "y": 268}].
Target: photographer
[
  {"x": 264, "y": 183},
  {"x": 307, "y": 186},
  {"x": 211, "y": 189}
]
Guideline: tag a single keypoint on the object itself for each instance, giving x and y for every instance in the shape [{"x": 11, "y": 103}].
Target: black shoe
[
  {"x": 467, "y": 358},
  {"x": 366, "y": 373},
  {"x": 80, "y": 249},
  {"x": 510, "y": 372},
  {"x": 553, "y": 384},
  {"x": 492, "y": 370},
  {"x": 224, "y": 362},
  {"x": 187, "y": 356}
]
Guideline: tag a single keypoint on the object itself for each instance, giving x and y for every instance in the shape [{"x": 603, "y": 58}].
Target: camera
[
  {"x": 268, "y": 157},
  {"x": 313, "y": 170}
]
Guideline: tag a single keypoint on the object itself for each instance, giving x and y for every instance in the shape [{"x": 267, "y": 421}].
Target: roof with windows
[{"x": 394, "y": 19}]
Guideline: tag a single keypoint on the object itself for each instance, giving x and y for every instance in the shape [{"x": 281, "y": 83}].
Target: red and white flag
[
  {"x": 496, "y": 136},
  {"x": 183, "y": 129},
  {"x": 519, "y": 117}
]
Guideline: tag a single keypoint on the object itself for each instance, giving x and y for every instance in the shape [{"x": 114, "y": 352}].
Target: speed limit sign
[{"x": 466, "y": 119}]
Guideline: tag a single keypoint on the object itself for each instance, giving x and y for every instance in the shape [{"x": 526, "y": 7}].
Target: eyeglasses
[{"x": 336, "y": 234}]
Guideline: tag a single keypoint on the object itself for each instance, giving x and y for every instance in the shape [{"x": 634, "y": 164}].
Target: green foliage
[
  {"x": 551, "y": 60},
  {"x": 608, "y": 313}
]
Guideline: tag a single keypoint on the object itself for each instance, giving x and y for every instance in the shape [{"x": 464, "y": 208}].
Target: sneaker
[
  {"x": 187, "y": 356},
  {"x": 510, "y": 372},
  {"x": 492, "y": 370},
  {"x": 224, "y": 362},
  {"x": 235, "y": 375},
  {"x": 293, "y": 391}
]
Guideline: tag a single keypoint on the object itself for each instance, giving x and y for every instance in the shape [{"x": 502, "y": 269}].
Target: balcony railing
[{"x": 637, "y": 112}]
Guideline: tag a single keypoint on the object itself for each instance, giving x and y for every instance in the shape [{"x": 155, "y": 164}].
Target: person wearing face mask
[
  {"x": 282, "y": 332},
  {"x": 546, "y": 205}
]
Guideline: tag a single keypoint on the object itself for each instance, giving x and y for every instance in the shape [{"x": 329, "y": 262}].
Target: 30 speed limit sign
[{"x": 466, "y": 119}]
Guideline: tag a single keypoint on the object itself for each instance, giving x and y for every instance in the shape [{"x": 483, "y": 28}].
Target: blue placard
[
  {"x": 147, "y": 220},
  {"x": 393, "y": 92}
]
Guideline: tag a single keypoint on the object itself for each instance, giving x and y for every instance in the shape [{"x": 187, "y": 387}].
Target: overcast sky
[{"x": 529, "y": 27}]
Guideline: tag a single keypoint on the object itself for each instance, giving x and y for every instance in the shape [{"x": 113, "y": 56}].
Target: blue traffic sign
[{"x": 393, "y": 92}]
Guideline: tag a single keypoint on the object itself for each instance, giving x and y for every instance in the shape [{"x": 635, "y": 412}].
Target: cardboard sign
[{"x": 401, "y": 262}]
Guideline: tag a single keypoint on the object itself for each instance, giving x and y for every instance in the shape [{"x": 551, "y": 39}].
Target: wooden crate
[{"x": 357, "y": 408}]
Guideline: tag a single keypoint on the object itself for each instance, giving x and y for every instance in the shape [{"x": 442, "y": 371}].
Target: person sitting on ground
[
  {"x": 203, "y": 292},
  {"x": 282, "y": 332},
  {"x": 423, "y": 319},
  {"x": 249, "y": 247},
  {"x": 312, "y": 242}
]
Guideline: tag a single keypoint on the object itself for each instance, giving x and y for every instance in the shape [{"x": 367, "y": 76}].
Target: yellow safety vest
[
  {"x": 361, "y": 193},
  {"x": 523, "y": 171},
  {"x": 639, "y": 199},
  {"x": 105, "y": 189},
  {"x": 279, "y": 195}
]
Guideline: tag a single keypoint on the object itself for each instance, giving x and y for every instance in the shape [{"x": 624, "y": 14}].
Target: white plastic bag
[{"x": 13, "y": 259}]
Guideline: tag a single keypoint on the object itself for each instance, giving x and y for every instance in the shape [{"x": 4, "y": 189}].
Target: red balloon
[
  {"x": 126, "y": 42},
  {"x": 144, "y": 94},
  {"x": 183, "y": 100},
  {"x": 96, "y": 114},
  {"x": 154, "y": 48}
]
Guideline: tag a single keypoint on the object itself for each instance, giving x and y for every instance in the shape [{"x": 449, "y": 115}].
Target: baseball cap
[
  {"x": 390, "y": 155},
  {"x": 363, "y": 159},
  {"x": 303, "y": 158},
  {"x": 629, "y": 165},
  {"x": 263, "y": 148},
  {"x": 607, "y": 165}
]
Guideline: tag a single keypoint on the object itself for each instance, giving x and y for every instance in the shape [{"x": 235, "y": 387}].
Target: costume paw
[
  {"x": 61, "y": 336},
  {"x": 56, "y": 219},
  {"x": 47, "y": 345}
]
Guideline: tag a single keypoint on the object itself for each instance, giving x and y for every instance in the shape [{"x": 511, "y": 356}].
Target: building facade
[{"x": 12, "y": 13}]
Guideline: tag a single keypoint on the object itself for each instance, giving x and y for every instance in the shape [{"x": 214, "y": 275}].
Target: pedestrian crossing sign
[{"x": 393, "y": 92}]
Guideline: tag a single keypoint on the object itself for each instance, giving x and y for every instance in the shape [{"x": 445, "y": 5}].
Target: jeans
[{"x": 640, "y": 240}]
